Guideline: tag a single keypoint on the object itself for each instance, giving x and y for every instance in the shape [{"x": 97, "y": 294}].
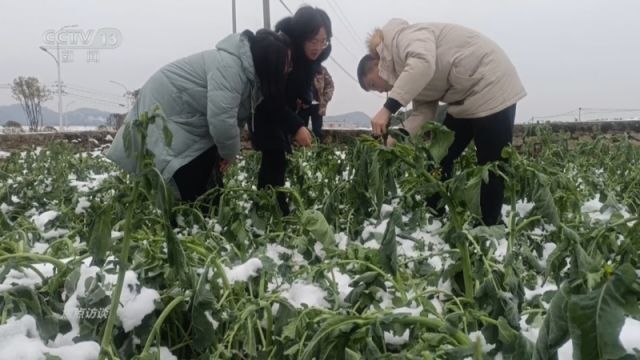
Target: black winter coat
[{"x": 273, "y": 129}]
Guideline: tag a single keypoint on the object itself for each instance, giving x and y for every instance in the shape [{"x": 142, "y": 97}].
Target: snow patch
[
  {"x": 523, "y": 208},
  {"x": 165, "y": 353},
  {"x": 83, "y": 204},
  {"x": 301, "y": 293},
  {"x": 134, "y": 304},
  {"x": 372, "y": 244},
  {"x": 342, "y": 282},
  {"x": 42, "y": 219},
  {"x": 39, "y": 247},
  {"x": 244, "y": 271},
  {"x": 4, "y": 208},
  {"x": 27, "y": 277},
  {"x": 391, "y": 339},
  {"x": 19, "y": 339},
  {"x": 342, "y": 240}
]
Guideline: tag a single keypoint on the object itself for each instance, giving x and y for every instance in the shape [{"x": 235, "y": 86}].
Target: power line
[
  {"x": 344, "y": 70},
  {"x": 286, "y": 7},
  {"x": 572, "y": 112},
  {"x": 345, "y": 21},
  {"x": 85, "y": 96},
  {"x": 89, "y": 98},
  {"x": 91, "y": 91},
  {"x": 596, "y": 110},
  {"x": 349, "y": 24},
  {"x": 589, "y": 114},
  {"x": 346, "y": 48}
]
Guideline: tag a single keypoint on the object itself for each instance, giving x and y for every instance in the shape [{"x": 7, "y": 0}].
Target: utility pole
[
  {"x": 267, "y": 14},
  {"x": 66, "y": 112},
  {"x": 56, "y": 58},
  {"x": 579, "y": 114},
  {"x": 233, "y": 15}
]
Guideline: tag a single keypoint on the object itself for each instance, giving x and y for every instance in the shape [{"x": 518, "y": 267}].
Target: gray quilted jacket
[{"x": 206, "y": 98}]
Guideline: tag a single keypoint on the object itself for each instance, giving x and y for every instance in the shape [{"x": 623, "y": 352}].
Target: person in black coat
[{"x": 273, "y": 128}]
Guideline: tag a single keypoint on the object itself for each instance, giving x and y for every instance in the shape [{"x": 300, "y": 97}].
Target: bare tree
[
  {"x": 31, "y": 94},
  {"x": 114, "y": 121}
]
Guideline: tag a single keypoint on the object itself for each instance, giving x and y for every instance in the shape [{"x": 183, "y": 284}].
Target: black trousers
[
  {"x": 199, "y": 175},
  {"x": 273, "y": 167},
  {"x": 491, "y": 134},
  {"x": 313, "y": 113}
]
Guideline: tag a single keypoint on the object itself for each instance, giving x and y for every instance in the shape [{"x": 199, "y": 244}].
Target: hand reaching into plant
[
  {"x": 224, "y": 165},
  {"x": 303, "y": 137},
  {"x": 391, "y": 142},
  {"x": 300, "y": 105},
  {"x": 380, "y": 122}
]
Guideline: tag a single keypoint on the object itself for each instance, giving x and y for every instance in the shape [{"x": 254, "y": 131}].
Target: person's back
[
  {"x": 468, "y": 71},
  {"x": 203, "y": 100},
  {"x": 188, "y": 77},
  {"x": 180, "y": 86},
  {"x": 429, "y": 63},
  {"x": 186, "y": 91}
]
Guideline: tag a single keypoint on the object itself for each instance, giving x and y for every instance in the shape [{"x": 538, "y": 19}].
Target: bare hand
[
  {"x": 380, "y": 122},
  {"x": 224, "y": 165},
  {"x": 391, "y": 142},
  {"x": 303, "y": 137}
]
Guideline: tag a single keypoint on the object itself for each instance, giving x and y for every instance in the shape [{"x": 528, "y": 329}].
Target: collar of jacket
[{"x": 384, "y": 49}]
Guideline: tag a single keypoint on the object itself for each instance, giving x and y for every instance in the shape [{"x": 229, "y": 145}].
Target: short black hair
[{"x": 365, "y": 66}]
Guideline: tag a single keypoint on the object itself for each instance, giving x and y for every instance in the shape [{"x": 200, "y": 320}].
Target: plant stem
[
  {"x": 466, "y": 271},
  {"x": 36, "y": 257},
  {"x": 117, "y": 291},
  {"x": 156, "y": 327}
]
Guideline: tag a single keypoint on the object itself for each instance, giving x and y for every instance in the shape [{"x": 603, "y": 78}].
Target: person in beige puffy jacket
[{"x": 431, "y": 63}]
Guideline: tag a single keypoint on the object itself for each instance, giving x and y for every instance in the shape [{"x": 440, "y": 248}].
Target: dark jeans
[
  {"x": 313, "y": 112},
  {"x": 199, "y": 175},
  {"x": 490, "y": 134},
  {"x": 273, "y": 167}
]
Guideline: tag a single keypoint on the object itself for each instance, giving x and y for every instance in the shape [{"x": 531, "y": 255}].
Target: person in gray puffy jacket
[{"x": 207, "y": 98}]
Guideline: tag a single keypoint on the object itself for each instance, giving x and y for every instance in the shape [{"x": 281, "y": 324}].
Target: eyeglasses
[{"x": 317, "y": 43}]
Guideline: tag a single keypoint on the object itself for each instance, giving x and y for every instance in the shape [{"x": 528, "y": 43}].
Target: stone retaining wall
[{"x": 91, "y": 139}]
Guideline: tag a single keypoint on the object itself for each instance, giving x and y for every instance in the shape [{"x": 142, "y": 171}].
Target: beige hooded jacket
[{"x": 429, "y": 63}]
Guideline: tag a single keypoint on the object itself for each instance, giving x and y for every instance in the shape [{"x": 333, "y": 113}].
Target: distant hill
[
  {"x": 77, "y": 117},
  {"x": 350, "y": 120},
  {"x": 94, "y": 117}
]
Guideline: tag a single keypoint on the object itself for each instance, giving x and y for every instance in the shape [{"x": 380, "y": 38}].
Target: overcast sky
[{"x": 569, "y": 53}]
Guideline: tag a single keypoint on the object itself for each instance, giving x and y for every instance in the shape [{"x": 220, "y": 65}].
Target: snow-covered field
[{"x": 382, "y": 280}]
